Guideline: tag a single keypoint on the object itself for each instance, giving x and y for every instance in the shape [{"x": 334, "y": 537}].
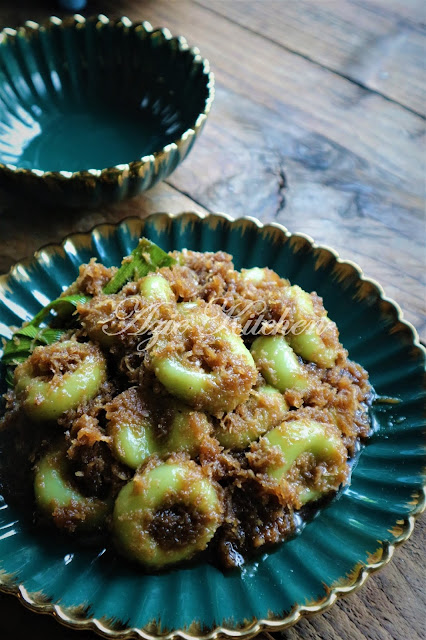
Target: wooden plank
[
  {"x": 413, "y": 11},
  {"x": 269, "y": 168},
  {"x": 383, "y": 134},
  {"x": 378, "y": 50}
]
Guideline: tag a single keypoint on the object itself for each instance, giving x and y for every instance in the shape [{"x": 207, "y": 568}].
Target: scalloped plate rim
[{"x": 64, "y": 614}]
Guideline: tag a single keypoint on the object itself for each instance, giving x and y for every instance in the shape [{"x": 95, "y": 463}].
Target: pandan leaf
[
  {"x": 22, "y": 344},
  {"x": 64, "y": 307},
  {"x": 146, "y": 257}
]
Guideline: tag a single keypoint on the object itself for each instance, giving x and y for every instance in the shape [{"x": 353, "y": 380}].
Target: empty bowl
[{"x": 94, "y": 111}]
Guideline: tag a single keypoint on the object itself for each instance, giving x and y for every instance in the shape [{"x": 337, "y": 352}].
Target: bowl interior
[{"x": 78, "y": 96}]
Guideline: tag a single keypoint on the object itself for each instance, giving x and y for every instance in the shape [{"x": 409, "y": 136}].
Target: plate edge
[{"x": 299, "y": 611}]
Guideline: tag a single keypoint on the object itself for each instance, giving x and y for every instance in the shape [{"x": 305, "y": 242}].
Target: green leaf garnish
[
  {"x": 64, "y": 307},
  {"x": 27, "y": 338},
  {"x": 146, "y": 257},
  {"x": 22, "y": 344},
  {"x": 9, "y": 376}
]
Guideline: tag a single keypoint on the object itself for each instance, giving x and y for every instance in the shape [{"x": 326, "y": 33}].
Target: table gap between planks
[{"x": 318, "y": 124}]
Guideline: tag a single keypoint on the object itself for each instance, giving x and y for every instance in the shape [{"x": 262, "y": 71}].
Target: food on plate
[
  {"x": 167, "y": 513},
  {"x": 180, "y": 406}
]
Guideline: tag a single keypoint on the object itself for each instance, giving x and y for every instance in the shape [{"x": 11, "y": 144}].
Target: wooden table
[{"x": 318, "y": 123}]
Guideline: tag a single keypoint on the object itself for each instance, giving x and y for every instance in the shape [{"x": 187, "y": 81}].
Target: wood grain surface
[{"x": 318, "y": 124}]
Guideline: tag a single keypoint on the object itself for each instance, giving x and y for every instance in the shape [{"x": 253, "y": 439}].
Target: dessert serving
[{"x": 178, "y": 406}]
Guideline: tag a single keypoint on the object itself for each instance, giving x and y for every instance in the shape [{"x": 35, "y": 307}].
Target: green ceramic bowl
[
  {"x": 94, "y": 111},
  {"x": 353, "y": 536}
]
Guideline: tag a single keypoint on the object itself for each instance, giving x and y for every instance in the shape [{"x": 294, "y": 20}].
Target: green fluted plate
[
  {"x": 94, "y": 111},
  {"x": 353, "y": 536}
]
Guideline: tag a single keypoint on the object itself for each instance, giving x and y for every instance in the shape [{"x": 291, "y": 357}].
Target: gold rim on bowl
[{"x": 138, "y": 166}]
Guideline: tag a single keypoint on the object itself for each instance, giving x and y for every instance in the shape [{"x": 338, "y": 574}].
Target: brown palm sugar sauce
[
  {"x": 132, "y": 333},
  {"x": 175, "y": 526}
]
